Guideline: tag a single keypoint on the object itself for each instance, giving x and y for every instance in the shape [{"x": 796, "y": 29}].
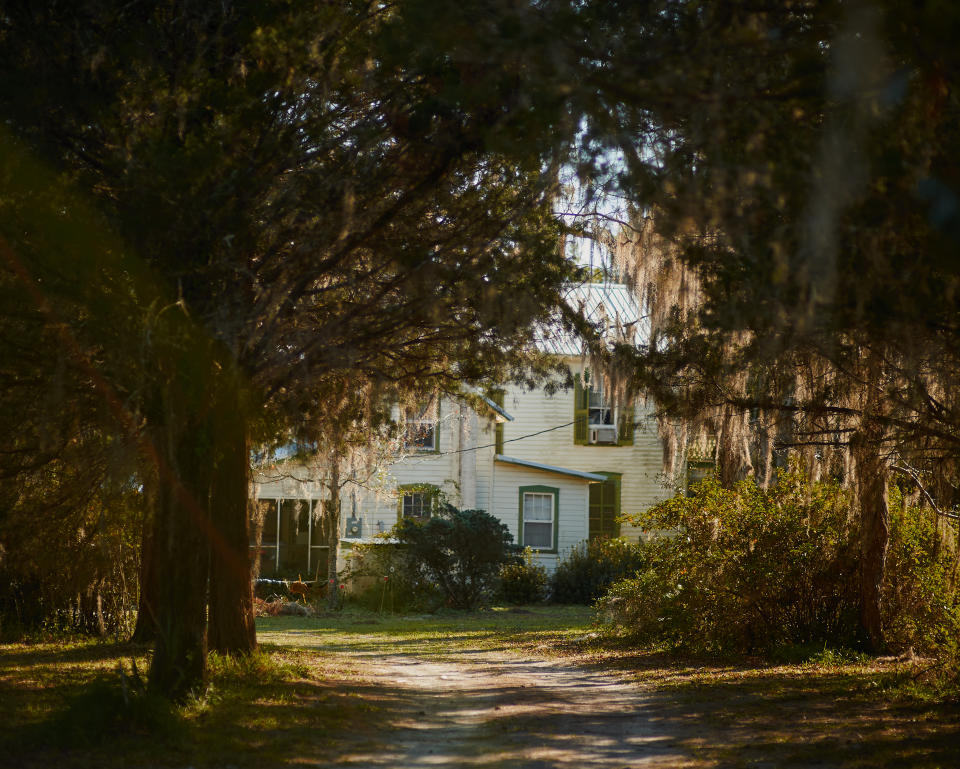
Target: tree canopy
[{"x": 284, "y": 196}]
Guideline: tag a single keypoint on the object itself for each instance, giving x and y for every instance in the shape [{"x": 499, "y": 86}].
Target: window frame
[
  {"x": 622, "y": 417},
  {"x": 431, "y": 491},
  {"x": 554, "y": 492},
  {"x": 415, "y": 423}
]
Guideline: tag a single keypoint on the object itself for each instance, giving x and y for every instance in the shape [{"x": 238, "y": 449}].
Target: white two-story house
[{"x": 556, "y": 468}]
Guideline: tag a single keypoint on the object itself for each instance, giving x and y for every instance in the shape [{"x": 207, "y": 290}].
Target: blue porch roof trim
[
  {"x": 498, "y": 409},
  {"x": 550, "y": 468}
]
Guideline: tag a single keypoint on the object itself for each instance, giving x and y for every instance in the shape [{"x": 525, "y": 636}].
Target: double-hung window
[
  {"x": 538, "y": 517},
  {"x": 422, "y": 429},
  {"x": 600, "y": 412},
  {"x": 417, "y": 501},
  {"x": 417, "y": 504},
  {"x": 597, "y": 419}
]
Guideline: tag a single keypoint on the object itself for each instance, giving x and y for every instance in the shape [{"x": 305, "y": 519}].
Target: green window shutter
[
  {"x": 436, "y": 428},
  {"x": 625, "y": 426},
  {"x": 581, "y": 412},
  {"x": 605, "y": 507}
]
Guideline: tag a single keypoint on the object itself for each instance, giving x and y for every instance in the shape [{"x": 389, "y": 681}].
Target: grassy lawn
[
  {"x": 305, "y": 694},
  {"x": 446, "y": 635},
  {"x": 58, "y": 699}
]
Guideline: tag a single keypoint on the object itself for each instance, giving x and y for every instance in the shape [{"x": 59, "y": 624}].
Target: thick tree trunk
[
  {"x": 230, "y": 628},
  {"x": 333, "y": 533},
  {"x": 871, "y": 470},
  {"x": 181, "y": 536}
]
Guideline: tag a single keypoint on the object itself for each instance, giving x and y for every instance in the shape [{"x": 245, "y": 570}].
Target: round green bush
[{"x": 523, "y": 582}]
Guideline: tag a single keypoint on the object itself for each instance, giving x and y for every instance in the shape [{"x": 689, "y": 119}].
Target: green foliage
[
  {"x": 920, "y": 599},
  {"x": 384, "y": 579},
  {"x": 748, "y": 569},
  {"x": 523, "y": 581},
  {"x": 81, "y": 582},
  {"x": 257, "y": 669},
  {"x": 592, "y": 567},
  {"x": 460, "y": 551}
]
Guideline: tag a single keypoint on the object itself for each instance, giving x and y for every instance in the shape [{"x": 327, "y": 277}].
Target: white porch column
[{"x": 469, "y": 434}]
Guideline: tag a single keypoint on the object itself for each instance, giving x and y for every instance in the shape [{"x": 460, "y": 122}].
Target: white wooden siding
[
  {"x": 640, "y": 464},
  {"x": 497, "y": 484},
  {"x": 572, "y": 510}
]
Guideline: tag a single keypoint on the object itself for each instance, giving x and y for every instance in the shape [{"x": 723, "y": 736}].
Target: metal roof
[
  {"x": 550, "y": 468},
  {"x": 612, "y": 306}
]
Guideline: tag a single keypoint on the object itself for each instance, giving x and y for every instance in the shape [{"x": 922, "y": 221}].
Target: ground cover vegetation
[{"x": 306, "y": 692}]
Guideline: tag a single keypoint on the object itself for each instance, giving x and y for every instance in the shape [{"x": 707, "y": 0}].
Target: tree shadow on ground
[{"x": 489, "y": 715}]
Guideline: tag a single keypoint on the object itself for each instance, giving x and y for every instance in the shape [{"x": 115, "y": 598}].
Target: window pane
[
  {"x": 596, "y": 397},
  {"x": 539, "y": 535},
  {"x": 538, "y": 520},
  {"x": 421, "y": 427},
  {"x": 538, "y": 507},
  {"x": 416, "y": 505}
]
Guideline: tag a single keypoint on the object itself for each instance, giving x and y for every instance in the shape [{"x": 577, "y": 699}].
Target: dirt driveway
[
  {"x": 497, "y": 710},
  {"x": 453, "y": 698}
]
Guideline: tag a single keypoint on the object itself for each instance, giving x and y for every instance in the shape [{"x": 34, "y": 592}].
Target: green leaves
[{"x": 459, "y": 550}]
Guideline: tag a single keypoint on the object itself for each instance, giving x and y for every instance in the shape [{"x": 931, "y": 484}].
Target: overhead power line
[{"x": 509, "y": 440}]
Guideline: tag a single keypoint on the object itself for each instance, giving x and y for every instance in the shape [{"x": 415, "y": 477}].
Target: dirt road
[{"x": 493, "y": 710}]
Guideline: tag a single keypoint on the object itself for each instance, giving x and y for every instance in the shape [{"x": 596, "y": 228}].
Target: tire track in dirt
[{"x": 497, "y": 710}]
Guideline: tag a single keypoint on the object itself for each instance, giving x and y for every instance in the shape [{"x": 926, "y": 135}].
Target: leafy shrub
[
  {"x": 523, "y": 581},
  {"x": 921, "y": 604},
  {"x": 592, "y": 567},
  {"x": 749, "y": 569},
  {"x": 383, "y": 578},
  {"x": 459, "y": 551}
]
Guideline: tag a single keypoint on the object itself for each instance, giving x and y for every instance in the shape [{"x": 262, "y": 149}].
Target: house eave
[
  {"x": 580, "y": 474},
  {"x": 501, "y": 415}
]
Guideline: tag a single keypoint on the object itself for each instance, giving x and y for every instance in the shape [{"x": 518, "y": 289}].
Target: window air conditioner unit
[{"x": 603, "y": 434}]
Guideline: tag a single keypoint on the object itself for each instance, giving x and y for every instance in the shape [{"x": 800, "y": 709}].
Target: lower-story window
[
  {"x": 418, "y": 501},
  {"x": 538, "y": 517},
  {"x": 416, "y": 505}
]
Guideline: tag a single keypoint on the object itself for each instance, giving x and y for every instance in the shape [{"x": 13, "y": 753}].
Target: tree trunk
[
  {"x": 871, "y": 473},
  {"x": 181, "y": 534},
  {"x": 333, "y": 533},
  {"x": 144, "y": 630},
  {"x": 230, "y": 628}
]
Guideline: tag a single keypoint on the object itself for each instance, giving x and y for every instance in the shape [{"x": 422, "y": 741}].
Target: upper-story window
[
  {"x": 600, "y": 412},
  {"x": 596, "y": 419},
  {"x": 423, "y": 428}
]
